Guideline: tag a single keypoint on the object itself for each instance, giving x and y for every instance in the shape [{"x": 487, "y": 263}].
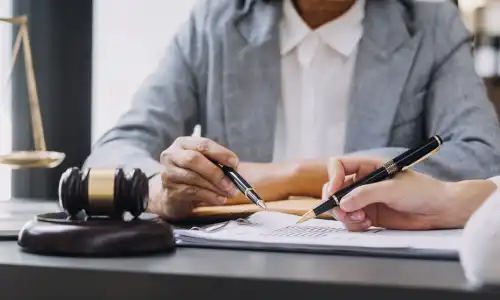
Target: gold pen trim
[
  {"x": 247, "y": 190},
  {"x": 390, "y": 167},
  {"x": 424, "y": 157},
  {"x": 336, "y": 200},
  {"x": 439, "y": 142}
]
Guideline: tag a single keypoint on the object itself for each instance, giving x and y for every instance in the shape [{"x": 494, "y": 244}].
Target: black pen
[
  {"x": 244, "y": 187},
  {"x": 389, "y": 169}
]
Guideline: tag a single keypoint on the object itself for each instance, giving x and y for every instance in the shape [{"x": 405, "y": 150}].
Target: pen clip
[{"x": 421, "y": 159}]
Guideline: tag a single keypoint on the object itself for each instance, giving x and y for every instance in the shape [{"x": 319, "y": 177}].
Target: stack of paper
[{"x": 274, "y": 228}]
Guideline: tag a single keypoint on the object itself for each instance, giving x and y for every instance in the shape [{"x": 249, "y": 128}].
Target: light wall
[
  {"x": 129, "y": 38},
  {"x": 5, "y": 99}
]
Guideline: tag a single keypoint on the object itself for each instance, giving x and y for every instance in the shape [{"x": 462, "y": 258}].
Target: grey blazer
[{"x": 413, "y": 79}]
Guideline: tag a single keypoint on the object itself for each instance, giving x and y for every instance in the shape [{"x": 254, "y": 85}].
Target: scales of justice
[{"x": 40, "y": 157}]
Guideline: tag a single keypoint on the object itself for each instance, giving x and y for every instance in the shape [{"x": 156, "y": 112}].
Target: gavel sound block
[{"x": 101, "y": 217}]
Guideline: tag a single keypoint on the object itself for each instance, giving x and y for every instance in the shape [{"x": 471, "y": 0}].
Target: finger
[
  {"x": 359, "y": 198},
  {"x": 209, "y": 149},
  {"x": 324, "y": 191},
  {"x": 183, "y": 192},
  {"x": 197, "y": 162},
  {"x": 364, "y": 170},
  {"x": 330, "y": 191},
  {"x": 359, "y": 227},
  {"x": 184, "y": 176},
  {"x": 353, "y": 164},
  {"x": 357, "y": 167},
  {"x": 348, "y": 181},
  {"x": 356, "y": 217}
]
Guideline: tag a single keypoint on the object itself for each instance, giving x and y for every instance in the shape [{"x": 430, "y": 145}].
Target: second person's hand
[{"x": 409, "y": 201}]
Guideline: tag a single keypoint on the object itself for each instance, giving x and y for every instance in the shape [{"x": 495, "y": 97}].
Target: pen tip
[
  {"x": 261, "y": 204},
  {"x": 307, "y": 216}
]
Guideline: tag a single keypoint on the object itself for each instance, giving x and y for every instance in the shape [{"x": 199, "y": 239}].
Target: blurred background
[{"x": 91, "y": 56}]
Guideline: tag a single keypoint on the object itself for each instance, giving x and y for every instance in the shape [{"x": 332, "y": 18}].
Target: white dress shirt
[
  {"x": 317, "y": 72},
  {"x": 480, "y": 249}
]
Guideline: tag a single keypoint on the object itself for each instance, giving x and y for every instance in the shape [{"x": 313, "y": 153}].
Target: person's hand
[
  {"x": 190, "y": 178},
  {"x": 409, "y": 201}
]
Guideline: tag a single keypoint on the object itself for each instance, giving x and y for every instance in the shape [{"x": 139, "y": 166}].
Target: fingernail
[
  {"x": 356, "y": 216},
  {"x": 233, "y": 161},
  {"x": 347, "y": 203},
  {"x": 221, "y": 199}
]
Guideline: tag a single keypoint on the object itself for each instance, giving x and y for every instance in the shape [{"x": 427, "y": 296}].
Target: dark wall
[{"x": 61, "y": 40}]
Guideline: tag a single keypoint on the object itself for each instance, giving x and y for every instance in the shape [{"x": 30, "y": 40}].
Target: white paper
[{"x": 280, "y": 228}]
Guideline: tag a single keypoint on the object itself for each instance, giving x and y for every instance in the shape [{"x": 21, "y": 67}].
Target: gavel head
[{"x": 103, "y": 192}]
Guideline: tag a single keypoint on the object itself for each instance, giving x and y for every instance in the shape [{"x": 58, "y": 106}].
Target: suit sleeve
[
  {"x": 457, "y": 109},
  {"x": 164, "y": 108}
]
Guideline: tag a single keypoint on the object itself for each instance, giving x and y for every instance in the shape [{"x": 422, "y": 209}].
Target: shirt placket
[{"x": 309, "y": 99}]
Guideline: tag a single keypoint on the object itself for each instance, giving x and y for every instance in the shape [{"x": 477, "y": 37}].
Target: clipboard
[{"x": 296, "y": 206}]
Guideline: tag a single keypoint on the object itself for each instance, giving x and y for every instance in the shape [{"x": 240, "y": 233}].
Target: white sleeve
[{"x": 480, "y": 249}]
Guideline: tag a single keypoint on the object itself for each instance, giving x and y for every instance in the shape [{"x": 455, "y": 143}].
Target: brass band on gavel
[{"x": 103, "y": 192}]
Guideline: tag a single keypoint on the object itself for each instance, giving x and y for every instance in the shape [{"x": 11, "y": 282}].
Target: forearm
[
  {"x": 463, "y": 199},
  {"x": 121, "y": 154},
  {"x": 309, "y": 178},
  {"x": 279, "y": 181}
]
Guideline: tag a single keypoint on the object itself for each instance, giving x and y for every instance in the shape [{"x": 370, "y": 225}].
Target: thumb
[{"x": 359, "y": 198}]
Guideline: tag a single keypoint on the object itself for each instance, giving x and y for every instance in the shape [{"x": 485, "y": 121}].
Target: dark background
[{"x": 61, "y": 40}]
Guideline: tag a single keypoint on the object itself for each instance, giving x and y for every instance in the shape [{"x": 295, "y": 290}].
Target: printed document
[{"x": 279, "y": 228}]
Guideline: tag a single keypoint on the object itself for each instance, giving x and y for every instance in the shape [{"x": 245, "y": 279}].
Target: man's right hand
[{"x": 190, "y": 178}]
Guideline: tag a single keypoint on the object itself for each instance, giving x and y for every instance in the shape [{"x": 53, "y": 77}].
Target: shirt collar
[{"x": 342, "y": 34}]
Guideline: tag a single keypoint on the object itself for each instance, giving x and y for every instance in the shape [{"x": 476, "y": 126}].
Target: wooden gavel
[{"x": 103, "y": 192}]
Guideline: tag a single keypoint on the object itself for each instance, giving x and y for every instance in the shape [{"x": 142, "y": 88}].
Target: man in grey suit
[{"x": 278, "y": 86}]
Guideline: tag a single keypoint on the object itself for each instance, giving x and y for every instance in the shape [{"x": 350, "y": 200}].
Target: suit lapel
[
  {"x": 252, "y": 79},
  {"x": 385, "y": 57}
]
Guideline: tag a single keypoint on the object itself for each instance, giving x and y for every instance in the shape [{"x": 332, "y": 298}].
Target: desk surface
[{"x": 195, "y": 273}]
